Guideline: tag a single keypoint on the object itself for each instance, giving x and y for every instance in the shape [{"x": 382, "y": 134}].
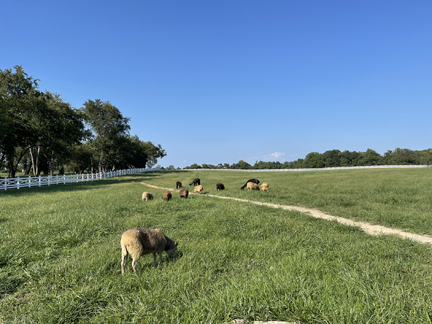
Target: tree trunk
[{"x": 35, "y": 164}]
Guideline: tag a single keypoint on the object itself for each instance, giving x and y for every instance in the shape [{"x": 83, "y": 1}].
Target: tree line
[
  {"x": 40, "y": 132},
  {"x": 335, "y": 158}
]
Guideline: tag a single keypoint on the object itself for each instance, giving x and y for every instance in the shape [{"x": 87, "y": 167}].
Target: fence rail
[
  {"x": 28, "y": 182},
  {"x": 322, "y": 169}
]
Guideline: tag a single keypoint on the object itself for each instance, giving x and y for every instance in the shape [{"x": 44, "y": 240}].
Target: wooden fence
[{"x": 28, "y": 182}]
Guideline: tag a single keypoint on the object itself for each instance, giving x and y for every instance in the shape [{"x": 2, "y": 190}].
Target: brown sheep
[
  {"x": 195, "y": 182},
  {"x": 178, "y": 185},
  {"x": 167, "y": 196},
  {"x": 147, "y": 196},
  {"x": 264, "y": 186},
  {"x": 220, "y": 186},
  {"x": 252, "y": 186},
  {"x": 184, "y": 193},
  {"x": 250, "y": 180},
  {"x": 140, "y": 241},
  {"x": 199, "y": 189}
]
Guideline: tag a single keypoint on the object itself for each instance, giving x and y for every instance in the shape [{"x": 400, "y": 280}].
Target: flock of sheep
[{"x": 140, "y": 241}]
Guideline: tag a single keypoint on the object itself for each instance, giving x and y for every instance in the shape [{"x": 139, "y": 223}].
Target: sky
[{"x": 222, "y": 81}]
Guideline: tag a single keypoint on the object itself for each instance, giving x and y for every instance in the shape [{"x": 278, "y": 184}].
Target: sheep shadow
[{"x": 165, "y": 260}]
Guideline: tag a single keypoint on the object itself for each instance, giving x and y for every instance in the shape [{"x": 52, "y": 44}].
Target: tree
[
  {"x": 370, "y": 157},
  {"x": 109, "y": 129},
  {"x": 19, "y": 105},
  {"x": 60, "y": 128},
  {"x": 314, "y": 160},
  {"x": 154, "y": 153},
  {"x": 332, "y": 158},
  {"x": 241, "y": 165},
  {"x": 82, "y": 158}
]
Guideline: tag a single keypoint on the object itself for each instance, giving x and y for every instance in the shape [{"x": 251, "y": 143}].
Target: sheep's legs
[
  {"x": 123, "y": 263},
  {"x": 134, "y": 264},
  {"x": 124, "y": 258},
  {"x": 154, "y": 259}
]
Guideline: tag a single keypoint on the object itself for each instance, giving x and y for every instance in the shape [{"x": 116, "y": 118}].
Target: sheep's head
[{"x": 172, "y": 248}]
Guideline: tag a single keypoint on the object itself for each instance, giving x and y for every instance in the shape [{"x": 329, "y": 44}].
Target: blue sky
[{"x": 222, "y": 81}]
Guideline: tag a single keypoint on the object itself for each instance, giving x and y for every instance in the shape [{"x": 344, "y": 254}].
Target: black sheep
[
  {"x": 250, "y": 180},
  {"x": 220, "y": 186},
  {"x": 195, "y": 182}
]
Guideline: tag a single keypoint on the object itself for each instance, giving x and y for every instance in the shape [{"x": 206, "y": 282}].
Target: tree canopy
[
  {"x": 335, "y": 158},
  {"x": 40, "y": 132}
]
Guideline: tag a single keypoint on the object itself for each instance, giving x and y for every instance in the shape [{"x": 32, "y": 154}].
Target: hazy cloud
[{"x": 275, "y": 155}]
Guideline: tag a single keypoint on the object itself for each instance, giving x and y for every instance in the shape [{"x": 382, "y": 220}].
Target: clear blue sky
[{"x": 223, "y": 81}]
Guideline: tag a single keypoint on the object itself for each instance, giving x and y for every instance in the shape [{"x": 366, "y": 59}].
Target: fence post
[
  {"x": 18, "y": 183},
  {"x": 6, "y": 182},
  {"x": 57, "y": 179},
  {"x": 29, "y": 181}
]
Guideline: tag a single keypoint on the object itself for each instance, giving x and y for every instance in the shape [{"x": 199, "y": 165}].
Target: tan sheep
[
  {"x": 199, "y": 189},
  {"x": 140, "y": 241},
  {"x": 184, "y": 193},
  {"x": 147, "y": 196},
  {"x": 167, "y": 196},
  {"x": 264, "y": 186},
  {"x": 252, "y": 186}
]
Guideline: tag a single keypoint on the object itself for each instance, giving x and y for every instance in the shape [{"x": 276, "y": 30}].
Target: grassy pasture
[{"x": 60, "y": 251}]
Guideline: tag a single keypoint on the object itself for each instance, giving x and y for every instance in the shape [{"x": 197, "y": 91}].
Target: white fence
[
  {"x": 321, "y": 169},
  {"x": 28, "y": 182}
]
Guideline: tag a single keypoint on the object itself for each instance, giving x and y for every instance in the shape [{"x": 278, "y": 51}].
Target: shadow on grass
[
  {"x": 3, "y": 220},
  {"x": 86, "y": 185},
  {"x": 10, "y": 285}
]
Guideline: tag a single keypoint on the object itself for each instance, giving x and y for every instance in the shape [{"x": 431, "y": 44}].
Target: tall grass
[{"x": 60, "y": 251}]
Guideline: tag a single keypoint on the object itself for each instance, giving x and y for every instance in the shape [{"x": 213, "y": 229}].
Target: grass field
[{"x": 60, "y": 250}]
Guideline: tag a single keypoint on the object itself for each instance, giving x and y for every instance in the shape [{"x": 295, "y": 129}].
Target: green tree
[
  {"x": 154, "y": 152},
  {"x": 332, "y": 158},
  {"x": 60, "y": 128},
  {"x": 109, "y": 129},
  {"x": 18, "y": 104},
  {"x": 314, "y": 160},
  {"x": 370, "y": 157},
  {"x": 241, "y": 165}
]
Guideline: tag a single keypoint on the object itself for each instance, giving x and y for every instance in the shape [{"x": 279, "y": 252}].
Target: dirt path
[{"x": 368, "y": 228}]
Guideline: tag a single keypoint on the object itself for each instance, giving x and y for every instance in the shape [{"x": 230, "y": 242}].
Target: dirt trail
[{"x": 368, "y": 228}]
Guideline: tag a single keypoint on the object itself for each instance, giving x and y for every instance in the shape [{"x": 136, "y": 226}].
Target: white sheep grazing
[
  {"x": 147, "y": 196},
  {"x": 139, "y": 241},
  {"x": 252, "y": 186},
  {"x": 264, "y": 186},
  {"x": 199, "y": 189}
]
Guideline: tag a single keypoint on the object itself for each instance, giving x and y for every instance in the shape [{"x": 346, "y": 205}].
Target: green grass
[{"x": 60, "y": 250}]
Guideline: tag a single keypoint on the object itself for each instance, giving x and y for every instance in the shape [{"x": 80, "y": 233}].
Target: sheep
[
  {"x": 167, "y": 196},
  {"x": 184, "y": 193},
  {"x": 147, "y": 196},
  {"x": 178, "y": 185},
  {"x": 199, "y": 189},
  {"x": 195, "y": 182},
  {"x": 252, "y": 186},
  {"x": 140, "y": 241},
  {"x": 220, "y": 186},
  {"x": 264, "y": 186},
  {"x": 250, "y": 180}
]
